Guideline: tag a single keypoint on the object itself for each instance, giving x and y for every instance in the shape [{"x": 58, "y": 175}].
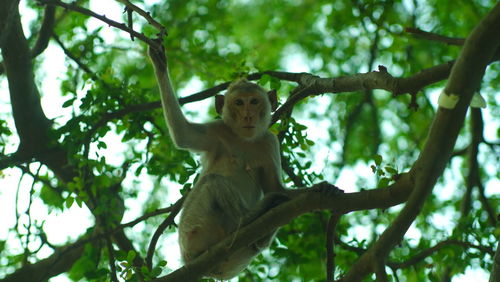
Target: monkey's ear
[
  {"x": 219, "y": 103},
  {"x": 273, "y": 99}
]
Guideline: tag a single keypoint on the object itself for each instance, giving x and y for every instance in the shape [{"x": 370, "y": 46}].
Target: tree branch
[
  {"x": 330, "y": 246},
  {"x": 31, "y": 123},
  {"x": 45, "y": 32},
  {"x": 430, "y": 251},
  {"x": 169, "y": 220},
  {"x": 435, "y": 37},
  {"x": 103, "y": 18},
  {"x": 59, "y": 262},
  {"x": 473, "y": 178},
  {"x": 14, "y": 160},
  {"x": 43, "y": 35},
  {"x": 486, "y": 204},
  {"x": 305, "y": 202},
  {"x": 466, "y": 75},
  {"x": 495, "y": 269},
  {"x": 318, "y": 85},
  {"x": 53, "y": 266},
  {"x": 75, "y": 59},
  {"x": 145, "y": 15}
]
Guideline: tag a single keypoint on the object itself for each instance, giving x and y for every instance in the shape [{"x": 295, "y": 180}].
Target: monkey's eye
[
  {"x": 238, "y": 102},
  {"x": 254, "y": 101}
]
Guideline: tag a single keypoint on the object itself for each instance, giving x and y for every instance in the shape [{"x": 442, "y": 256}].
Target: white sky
[{"x": 71, "y": 223}]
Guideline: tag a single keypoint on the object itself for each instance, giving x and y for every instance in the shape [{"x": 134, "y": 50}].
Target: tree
[{"x": 373, "y": 68}]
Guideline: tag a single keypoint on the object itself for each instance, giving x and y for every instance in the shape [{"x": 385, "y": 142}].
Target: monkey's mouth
[{"x": 249, "y": 127}]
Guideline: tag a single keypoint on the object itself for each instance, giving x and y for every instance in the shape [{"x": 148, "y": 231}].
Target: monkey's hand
[
  {"x": 274, "y": 199},
  {"x": 327, "y": 189},
  {"x": 157, "y": 55},
  {"x": 269, "y": 201}
]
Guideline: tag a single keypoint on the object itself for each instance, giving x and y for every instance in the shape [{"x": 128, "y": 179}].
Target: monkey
[{"x": 241, "y": 167}]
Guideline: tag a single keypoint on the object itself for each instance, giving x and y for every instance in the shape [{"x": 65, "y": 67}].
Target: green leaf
[
  {"x": 275, "y": 83},
  {"x": 50, "y": 197},
  {"x": 264, "y": 80},
  {"x": 69, "y": 202},
  {"x": 69, "y": 102},
  {"x": 79, "y": 201},
  {"x": 156, "y": 271},
  {"x": 300, "y": 127},
  {"x": 391, "y": 170},
  {"x": 383, "y": 182},
  {"x": 145, "y": 269},
  {"x": 102, "y": 145},
  {"x": 378, "y": 159},
  {"x": 131, "y": 256}
]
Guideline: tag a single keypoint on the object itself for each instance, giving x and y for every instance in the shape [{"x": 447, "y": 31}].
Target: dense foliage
[{"x": 102, "y": 144}]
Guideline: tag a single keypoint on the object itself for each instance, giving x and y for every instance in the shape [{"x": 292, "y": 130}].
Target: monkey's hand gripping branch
[
  {"x": 156, "y": 52},
  {"x": 324, "y": 187},
  {"x": 327, "y": 188}
]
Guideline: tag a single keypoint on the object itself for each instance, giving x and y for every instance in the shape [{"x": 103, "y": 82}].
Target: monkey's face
[{"x": 248, "y": 114}]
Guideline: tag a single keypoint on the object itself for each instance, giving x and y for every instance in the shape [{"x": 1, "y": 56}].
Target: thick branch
[
  {"x": 356, "y": 82},
  {"x": 305, "y": 202},
  {"x": 13, "y": 160},
  {"x": 31, "y": 123},
  {"x": 59, "y": 262},
  {"x": 63, "y": 257},
  {"x": 45, "y": 32},
  {"x": 43, "y": 37},
  {"x": 465, "y": 78}
]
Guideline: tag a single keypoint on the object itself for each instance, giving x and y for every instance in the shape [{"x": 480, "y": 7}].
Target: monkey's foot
[
  {"x": 276, "y": 198},
  {"x": 327, "y": 189}
]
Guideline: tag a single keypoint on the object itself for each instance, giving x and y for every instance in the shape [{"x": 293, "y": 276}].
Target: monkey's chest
[
  {"x": 243, "y": 165},
  {"x": 237, "y": 165}
]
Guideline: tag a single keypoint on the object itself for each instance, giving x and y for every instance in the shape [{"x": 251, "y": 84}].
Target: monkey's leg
[
  {"x": 269, "y": 201},
  {"x": 204, "y": 221}
]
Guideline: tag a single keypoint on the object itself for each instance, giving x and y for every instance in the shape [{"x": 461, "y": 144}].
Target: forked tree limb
[
  {"x": 465, "y": 78},
  {"x": 146, "y": 15},
  {"x": 303, "y": 203},
  {"x": 103, "y": 18}
]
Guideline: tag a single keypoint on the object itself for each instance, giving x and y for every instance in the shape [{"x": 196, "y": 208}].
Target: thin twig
[
  {"x": 103, "y": 18},
  {"x": 176, "y": 208},
  {"x": 145, "y": 15},
  {"x": 111, "y": 259},
  {"x": 145, "y": 216},
  {"x": 330, "y": 244},
  {"x": 80, "y": 64},
  {"x": 435, "y": 37},
  {"x": 428, "y": 252}
]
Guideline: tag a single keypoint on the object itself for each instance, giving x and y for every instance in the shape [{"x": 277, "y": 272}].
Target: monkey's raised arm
[{"x": 185, "y": 134}]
